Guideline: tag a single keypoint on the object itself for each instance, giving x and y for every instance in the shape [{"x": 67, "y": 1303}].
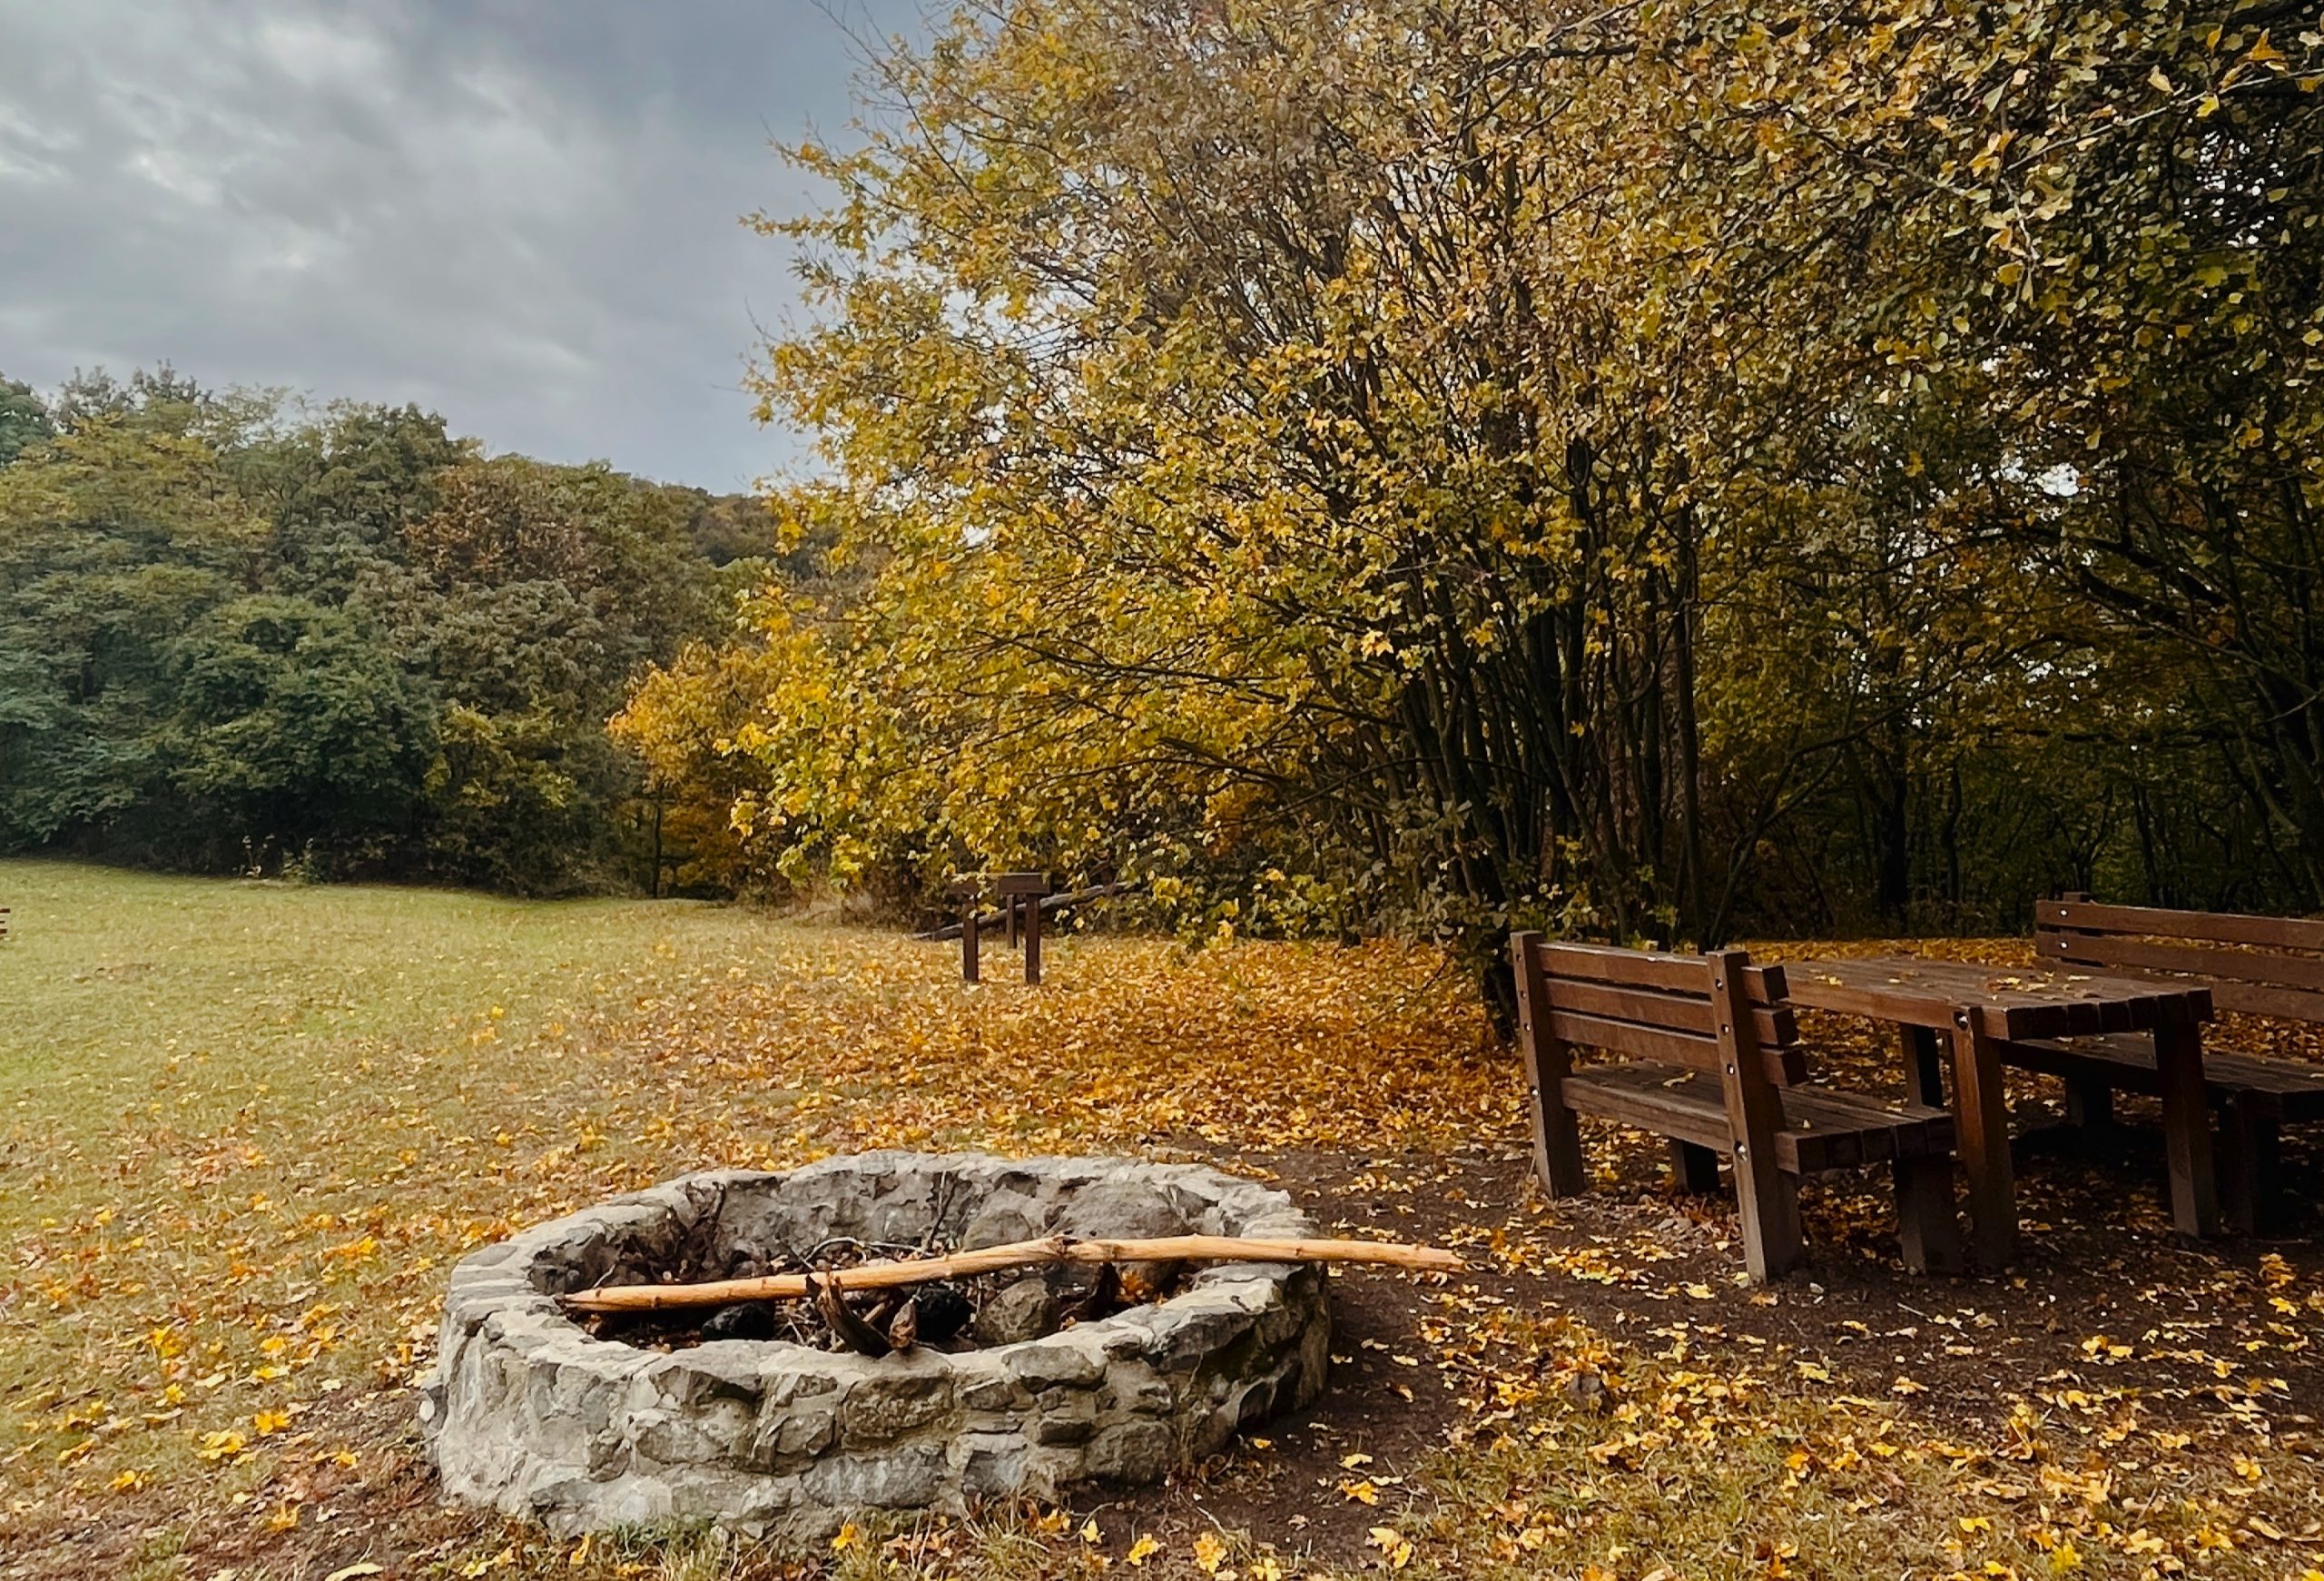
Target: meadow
[{"x": 245, "y": 1127}]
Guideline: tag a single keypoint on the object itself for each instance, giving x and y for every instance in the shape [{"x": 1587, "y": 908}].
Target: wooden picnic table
[{"x": 1978, "y": 1011}]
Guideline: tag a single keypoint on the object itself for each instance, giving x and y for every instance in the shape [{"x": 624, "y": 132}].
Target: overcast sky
[{"x": 523, "y": 214}]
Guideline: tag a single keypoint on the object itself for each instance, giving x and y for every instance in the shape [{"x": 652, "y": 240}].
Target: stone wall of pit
[{"x": 530, "y": 1415}]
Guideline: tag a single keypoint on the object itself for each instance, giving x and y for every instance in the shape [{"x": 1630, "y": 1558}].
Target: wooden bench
[
  {"x": 1710, "y": 1058},
  {"x": 2267, "y": 966}
]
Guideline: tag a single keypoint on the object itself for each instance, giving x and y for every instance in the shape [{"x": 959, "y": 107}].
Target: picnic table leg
[
  {"x": 1928, "y": 1228},
  {"x": 1981, "y": 1122},
  {"x": 1694, "y": 1168},
  {"x": 2187, "y": 1127},
  {"x": 1924, "y": 1066},
  {"x": 2090, "y": 1103}
]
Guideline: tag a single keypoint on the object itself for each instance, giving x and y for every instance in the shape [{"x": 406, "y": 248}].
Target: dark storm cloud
[{"x": 524, "y": 215}]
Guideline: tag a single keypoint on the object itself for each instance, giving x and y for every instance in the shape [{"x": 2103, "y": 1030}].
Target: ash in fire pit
[{"x": 765, "y": 1417}]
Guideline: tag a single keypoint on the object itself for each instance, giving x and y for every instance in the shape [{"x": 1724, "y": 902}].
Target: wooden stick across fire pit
[{"x": 1055, "y": 1248}]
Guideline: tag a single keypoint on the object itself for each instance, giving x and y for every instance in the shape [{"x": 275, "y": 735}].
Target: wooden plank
[
  {"x": 1694, "y": 1168},
  {"x": 2008, "y": 1012},
  {"x": 2250, "y": 1167},
  {"x": 1633, "y": 1040},
  {"x": 2126, "y": 1061},
  {"x": 2211, "y": 962},
  {"x": 1765, "y": 1197},
  {"x": 1847, "y": 1129},
  {"x": 1823, "y": 1128},
  {"x": 1688, "y": 1013},
  {"x": 2221, "y": 991},
  {"x": 1637, "y": 1041},
  {"x": 2090, "y": 1102},
  {"x": 1650, "y": 1106},
  {"x": 1924, "y": 1066},
  {"x": 1801, "y": 1148},
  {"x": 2292, "y": 1089},
  {"x": 1910, "y": 1128},
  {"x": 2187, "y": 1128},
  {"x": 1649, "y": 969},
  {"x": 1870, "y": 989},
  {"x": 2040, "y": 1002},
  {"x": 1818, "y": 1133},
  {"x": 2157, "y": 922},
  {"x": 2249, "y": 999},
  {"x": 1982, "y": 1119},
  {"x": 1557, "y": 1143},
  {"x": 1929, "y": 1229}
]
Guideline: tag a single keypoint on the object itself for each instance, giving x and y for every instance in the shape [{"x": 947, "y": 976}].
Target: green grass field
[
  {"x": 245, "y": 1128},
  {"x": 229, "y": 1105},
  {"x": 249, "y": 1124}
]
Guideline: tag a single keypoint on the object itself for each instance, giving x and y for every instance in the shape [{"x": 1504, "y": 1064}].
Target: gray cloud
[{"x": 523, "y": 215}]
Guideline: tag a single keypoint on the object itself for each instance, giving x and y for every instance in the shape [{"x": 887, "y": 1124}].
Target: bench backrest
[
  {"x": 2257, "y": 965},
  {"x": 1658, "y": 1007}
]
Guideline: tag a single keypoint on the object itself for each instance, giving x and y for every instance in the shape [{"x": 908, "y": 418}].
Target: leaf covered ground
[{"x": 244, "y": 1129}]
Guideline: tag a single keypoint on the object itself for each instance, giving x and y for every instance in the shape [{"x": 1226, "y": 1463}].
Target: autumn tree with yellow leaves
[{"x": 1637, "y": 468}]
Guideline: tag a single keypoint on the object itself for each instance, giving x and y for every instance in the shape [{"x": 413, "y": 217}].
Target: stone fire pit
[{"x": 530, "y": 1414}]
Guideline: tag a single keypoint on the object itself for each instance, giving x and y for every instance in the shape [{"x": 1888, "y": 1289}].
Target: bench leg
[
  {"x": 1556, "y": 1135},
  {"x": 2089, "y": 1104},
  {"x": 2249, "y": 1167},
  {"x": 1557, "y": 1147},
  {"x": 1767, "y": 1202},
  {"x": 1926, "y": 1223},
  {"x": 1693, "y": 1169}
]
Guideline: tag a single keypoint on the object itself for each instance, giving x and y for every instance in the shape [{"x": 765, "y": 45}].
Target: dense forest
[
  {"x": 1654, "y": 471},
  {"x": 239, "y": 634}
]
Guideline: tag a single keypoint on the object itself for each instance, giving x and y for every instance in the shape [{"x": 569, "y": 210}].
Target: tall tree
[
  {"x": 1448, "y": 464},
  {"x": 24, "y": 419}
]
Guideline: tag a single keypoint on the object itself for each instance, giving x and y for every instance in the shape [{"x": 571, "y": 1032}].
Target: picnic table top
[{"x": 2016, "y": 1002}]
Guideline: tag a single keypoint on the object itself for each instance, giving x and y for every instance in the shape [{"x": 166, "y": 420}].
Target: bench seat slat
[
  {"x": 2295, "y": 1090},
  {"x": 1824, "y": 1128},
  {"x": 1667, "y": 1100}
]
